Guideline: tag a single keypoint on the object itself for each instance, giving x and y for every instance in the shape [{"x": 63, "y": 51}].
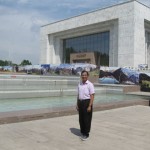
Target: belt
[{"x": 83, "y": 99}]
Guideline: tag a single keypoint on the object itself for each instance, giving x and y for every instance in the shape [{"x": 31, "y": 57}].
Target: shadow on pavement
[{"x": 75, "y": 131}]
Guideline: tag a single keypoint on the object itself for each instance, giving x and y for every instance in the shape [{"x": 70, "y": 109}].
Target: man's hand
[{"x": 89, "y": 109}]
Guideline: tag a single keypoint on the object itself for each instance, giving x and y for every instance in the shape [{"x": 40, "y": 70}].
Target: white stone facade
[{"x": 127, "y": 23}]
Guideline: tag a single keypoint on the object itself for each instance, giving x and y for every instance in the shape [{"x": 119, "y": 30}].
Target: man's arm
[
  {"x": 91, "y": 102},
  {"x": 77, "y": 99}
]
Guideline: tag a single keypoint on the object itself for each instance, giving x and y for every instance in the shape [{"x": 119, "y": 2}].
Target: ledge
[{"x": 36, "y": 114}]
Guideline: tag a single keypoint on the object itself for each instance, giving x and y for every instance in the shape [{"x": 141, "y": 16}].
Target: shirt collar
[{"x": 84, "y": 83}]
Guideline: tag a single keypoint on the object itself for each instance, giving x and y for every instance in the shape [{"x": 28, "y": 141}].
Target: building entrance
[
  {"x": 83, "y": 58},
  {"x": 82, "y": 61},
  {"x": 97, "y": 43}
]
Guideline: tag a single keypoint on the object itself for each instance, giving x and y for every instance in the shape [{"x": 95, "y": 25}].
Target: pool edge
[{"x": 30, "y": 115}]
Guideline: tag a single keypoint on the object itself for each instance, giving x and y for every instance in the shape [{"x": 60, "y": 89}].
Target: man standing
[{"x": 85, "y": 100}]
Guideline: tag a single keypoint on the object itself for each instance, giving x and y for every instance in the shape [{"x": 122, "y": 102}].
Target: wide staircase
[{"x": 25, "y": 86}]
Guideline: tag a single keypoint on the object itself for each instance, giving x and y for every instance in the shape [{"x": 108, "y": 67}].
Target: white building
[{"x": 119, "y": 35}]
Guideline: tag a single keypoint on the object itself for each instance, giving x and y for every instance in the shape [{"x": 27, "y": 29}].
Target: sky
[{"x": 20, "y": 22}]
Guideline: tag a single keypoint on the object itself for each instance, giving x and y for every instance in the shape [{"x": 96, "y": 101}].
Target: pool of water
[
  {"x": 53, "y": 102},
  {"x": 36, "y": 87}
]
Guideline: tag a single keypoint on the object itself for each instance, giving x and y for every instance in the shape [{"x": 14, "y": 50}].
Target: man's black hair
[{"x": 84, "y": 72}]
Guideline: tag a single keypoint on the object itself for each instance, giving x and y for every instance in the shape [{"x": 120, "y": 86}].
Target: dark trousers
[{"x": 85, "y": 117}]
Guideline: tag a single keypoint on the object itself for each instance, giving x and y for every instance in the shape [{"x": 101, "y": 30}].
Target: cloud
[
  {"x": 20, "y": 36},
  {"x": 23, "y": 1}
]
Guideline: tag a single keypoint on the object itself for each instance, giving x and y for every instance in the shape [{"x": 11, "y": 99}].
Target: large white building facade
[{"x": 119, "y": 36}]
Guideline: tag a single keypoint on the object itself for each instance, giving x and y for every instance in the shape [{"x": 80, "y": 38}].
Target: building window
[{"x": 97, "y": 43}]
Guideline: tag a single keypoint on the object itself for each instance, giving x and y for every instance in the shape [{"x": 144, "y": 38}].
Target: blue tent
[
  {"x": 126, "y": 75},
  {"x": 46, "y": 66}
]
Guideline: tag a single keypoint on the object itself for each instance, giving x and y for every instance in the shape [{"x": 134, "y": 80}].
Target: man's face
[{"x": 84, "y": 77}]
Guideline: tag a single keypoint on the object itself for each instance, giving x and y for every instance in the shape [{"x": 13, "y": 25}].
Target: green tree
[
  {"x": 5, "y": 63},
  {"x": 1, "y": 63},
  {"x": 25, "y": 62}
]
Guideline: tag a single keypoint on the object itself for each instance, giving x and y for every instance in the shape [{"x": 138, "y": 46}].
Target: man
[{"x": 84, "y": 106}]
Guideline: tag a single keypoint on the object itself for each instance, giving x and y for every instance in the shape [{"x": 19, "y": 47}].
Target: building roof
[{"x": 96, "y": 10}]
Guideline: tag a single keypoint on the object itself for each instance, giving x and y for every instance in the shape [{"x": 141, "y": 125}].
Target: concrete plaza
[{"x": 125, "y": 128}]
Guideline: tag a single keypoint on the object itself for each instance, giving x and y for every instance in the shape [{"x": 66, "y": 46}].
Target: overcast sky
[{"x": 20, "y": 22}]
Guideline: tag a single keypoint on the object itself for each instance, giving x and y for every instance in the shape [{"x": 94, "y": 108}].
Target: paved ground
[{"x": 118, "y": 129}]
